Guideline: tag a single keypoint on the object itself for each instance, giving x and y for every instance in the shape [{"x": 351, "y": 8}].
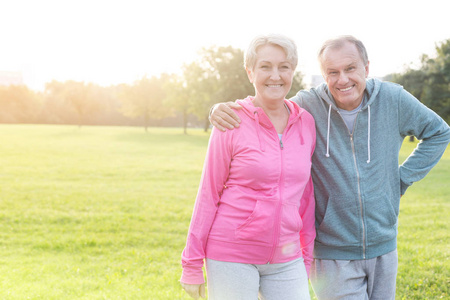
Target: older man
[{"x": 361, "y": 124}]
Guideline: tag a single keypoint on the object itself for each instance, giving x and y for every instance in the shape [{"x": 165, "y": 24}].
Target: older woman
[{"x": 253, "y": 219}]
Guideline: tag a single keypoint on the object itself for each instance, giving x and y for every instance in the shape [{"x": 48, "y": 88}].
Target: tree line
[
  {"x": 430, "y": 82},
  {"x": 166, "y": 100},
  {"x": 184, "y": 100}
]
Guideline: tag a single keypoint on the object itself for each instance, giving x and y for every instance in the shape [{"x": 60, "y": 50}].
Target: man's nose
[{"x": 343, "y": 78}]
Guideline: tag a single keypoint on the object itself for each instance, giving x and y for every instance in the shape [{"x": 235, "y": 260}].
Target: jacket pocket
[
  {"x": 381, "y": 219},
  {"x": 291, "y": 223},
  {"x": 259, "y": 225},
  {"x": 341, "y": 225}
]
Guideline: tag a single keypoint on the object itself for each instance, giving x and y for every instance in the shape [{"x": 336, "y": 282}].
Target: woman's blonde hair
[{"x": 285, "y": 43}]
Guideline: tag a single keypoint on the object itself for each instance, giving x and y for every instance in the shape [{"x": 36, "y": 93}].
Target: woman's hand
[{"x": 194, "y": 290}]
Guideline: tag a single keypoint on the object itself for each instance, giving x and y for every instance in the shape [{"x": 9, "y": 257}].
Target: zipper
[
  {"x": 358, "y": 177},
  {"x": 360, "y": 200},
  {"x": 278, "y": 215},
  {"x": 280, "y": 203}
]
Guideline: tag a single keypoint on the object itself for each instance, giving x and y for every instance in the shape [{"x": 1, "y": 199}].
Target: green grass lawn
[{"x": 102, "y": 213}]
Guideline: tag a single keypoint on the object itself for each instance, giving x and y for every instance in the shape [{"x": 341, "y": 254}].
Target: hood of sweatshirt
[
  {"x": 255, "y": 112},
  {"x": 261, "y": 119},
  {"x": 370, "y": 94}
]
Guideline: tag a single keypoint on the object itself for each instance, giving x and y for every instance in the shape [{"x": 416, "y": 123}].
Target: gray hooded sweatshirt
[{"x": 357, "y": 178}]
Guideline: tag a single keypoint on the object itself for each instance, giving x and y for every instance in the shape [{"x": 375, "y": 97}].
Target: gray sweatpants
[
  {"x": 227, "y": 280},
  {"x": 369, "y": 279}
]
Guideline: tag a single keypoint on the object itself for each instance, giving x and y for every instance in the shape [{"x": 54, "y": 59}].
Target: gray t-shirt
[{"x": 350, "y": 116}]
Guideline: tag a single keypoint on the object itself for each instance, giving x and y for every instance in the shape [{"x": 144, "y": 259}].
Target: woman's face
[{"x": 271, "y": 75}]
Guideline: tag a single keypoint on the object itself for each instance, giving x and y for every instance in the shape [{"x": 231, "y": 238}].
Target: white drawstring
[
  {"x": 368, "y": 134},
  {"x": 328, "y": 133}
]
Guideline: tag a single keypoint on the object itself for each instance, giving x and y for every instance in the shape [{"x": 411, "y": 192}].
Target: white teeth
[
  {"x": 347, "y": 89},
  {"x": 274, "y": 85}
]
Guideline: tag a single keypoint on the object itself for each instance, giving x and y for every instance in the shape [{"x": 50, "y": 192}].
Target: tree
[
  {"x": 54, "y": 108},
  {"x": 145, "y": 98},
  {"x": 202, "y": 90},
  {"x": 430, "y": 83},
  {"x": 78, "y": 95},
  {"x": 297, "y": 85},
  {"x": 436, "y": 92},
  {"x": 217, "y": 76},
  {"x": 74, "y": 101},
  {"x": 178, "y": 97},
  {"x": 18, "y": 104},
  {"x": 226, "y": 64}
]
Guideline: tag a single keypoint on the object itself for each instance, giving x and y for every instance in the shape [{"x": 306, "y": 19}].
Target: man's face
[{"x": 345, "y": 74}]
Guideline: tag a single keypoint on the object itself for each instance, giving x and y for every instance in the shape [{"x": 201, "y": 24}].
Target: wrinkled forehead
[{"x": 338, "y": 57}]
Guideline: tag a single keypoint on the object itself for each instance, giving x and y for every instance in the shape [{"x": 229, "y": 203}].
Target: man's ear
[{"x": 367, "y": 69}]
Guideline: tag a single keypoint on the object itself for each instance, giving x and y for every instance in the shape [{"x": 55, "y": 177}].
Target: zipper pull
[{"x": 281, "y": 144}]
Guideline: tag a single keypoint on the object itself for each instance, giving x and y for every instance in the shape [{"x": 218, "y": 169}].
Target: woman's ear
[{"x": 249, "y": 74}]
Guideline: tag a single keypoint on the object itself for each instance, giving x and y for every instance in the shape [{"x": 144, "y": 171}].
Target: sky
[{"x": 120, "y": 41}]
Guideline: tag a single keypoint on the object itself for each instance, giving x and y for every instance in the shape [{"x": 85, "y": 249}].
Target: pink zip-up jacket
[{"x": 255, "y": 203}]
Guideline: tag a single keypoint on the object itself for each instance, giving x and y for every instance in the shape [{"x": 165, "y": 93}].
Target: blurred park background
[
  {"x": 141, "y": 63},
  {"x": 104, "y": 128},
  {"x": 183, "y": 100}
]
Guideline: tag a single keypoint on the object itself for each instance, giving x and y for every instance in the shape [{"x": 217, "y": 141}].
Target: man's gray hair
[{"x": 338, "y": 42}]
